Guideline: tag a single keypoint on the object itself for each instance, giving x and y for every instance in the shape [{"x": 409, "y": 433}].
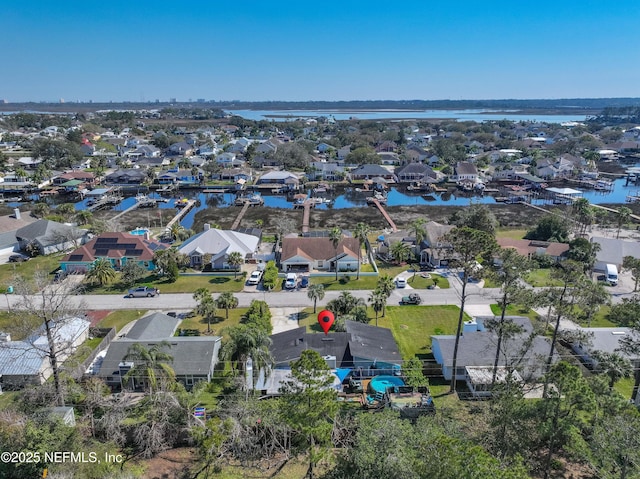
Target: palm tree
[
  {"x": 377, "y": 300},
  {"x": 583, "y": 213},
  {"x": 206, "y": 305},
  {"x": 613, "y": 365},
  {"x": 101, "y": 272},
  {"x": 66, "y": 210},
  {"x": 235, "y": 259},
  {"x": 419, "y": 231},
  {"x": 227, "y": 301},
  {"x": 150, "y": 365},
  {"x": 344, "y": 304},
  {"x": 361, "y": 231},
  {"x": 178, "y": 232},
  {"x": 622, "y": 218},
  {"x": 315, "y": 293},
  {"x": 400, "y": 251},
  {"x": 385, "y": 285},
  {"x": 84, "y": 217},
  {"x": 248, "y": 341},
  {"x": 40, "y": 210},
  {"x": 335, "y": 236}
]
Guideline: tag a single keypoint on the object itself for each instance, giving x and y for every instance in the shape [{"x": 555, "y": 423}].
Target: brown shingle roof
[
  {"x": 530, "y": 247},
  {"x": 115, "y": 245},
  {"x": 317, "y": 248}
]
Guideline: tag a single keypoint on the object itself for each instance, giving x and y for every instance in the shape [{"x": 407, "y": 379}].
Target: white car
[
  {"x": 401, "y": 282},
  {"x": 255, "y": 277},
  {"x": 292, "y": 281}
]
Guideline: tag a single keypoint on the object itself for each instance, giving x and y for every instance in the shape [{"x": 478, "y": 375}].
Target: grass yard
[
  {"x": 420, "y": 282},
  {"x": 184, "y": 284},
  {"x": 412, "y": 326},
  {"x": 27, "y": 270},
  {"x": 542, "y": 277},
  {"x": 218, "y": 325},
  {"x": 18, "y": 328},
  {"x": 624, "y": 387},
  {"x": 349, "y": 281},
  {"x": 118, "y": 319},
  {"x": 515, "y": 310},
  {"x": 511, "y": 233}
]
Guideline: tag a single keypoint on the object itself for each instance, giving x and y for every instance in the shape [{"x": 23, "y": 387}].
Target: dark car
[
  {"x": 304, "y": 282},
  {"x": 413, "y": 298},
  {"x": 17, "y": 258}
]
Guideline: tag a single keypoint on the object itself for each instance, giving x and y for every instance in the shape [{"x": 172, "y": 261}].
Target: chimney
[
  {"x": 147, "y": 235},
  {"x": 16, "y": 211},
  {"x": 207, "y": 227}
]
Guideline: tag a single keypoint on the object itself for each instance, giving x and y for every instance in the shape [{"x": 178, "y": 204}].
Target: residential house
[
  {"x": 324, "y": 147},
  {"x": 51, "y": 237},
  {"x": 226, "y": 159},
  {"x": 194, "y": 358},
  {"x": 27, "y": 362},
  {"x": 370, "y": 171},
  {"x": 466, "y": 172},
  {"x": 477, "y": 348},
  {"x": 9, "y": 227},
  {"x": 416, "y": 153},
  {"x": 279, "y": 178},
  {"x": 127, "y": 176},
  {"x": 606, "y": 340},
  {"x": 318, "y": 253},
  {"x": 613, "y": 251},
  {"x": 219, "y": 244},
  {"x": 387, "y": 147},
  {"x": 534, "y": 248},
  {"x": 181, "y": 148},
  {"x": 362, "y": 350},
  {"x": 434, "y": 251},
  {"x": 86, "y": 178},
  {"x": 118, "y": 248},
  {"x": 175, "y": 175},
  {"x": 323, "y": 171},
  {"x": 389, "y": 158},
  {"x": 268, "y": 147},
  {"x": 416, "y": 172},
  {"x": 343, "y": 152}
]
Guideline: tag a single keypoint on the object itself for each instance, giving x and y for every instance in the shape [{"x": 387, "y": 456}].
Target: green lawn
[
  {"x": 419, "y": 282},
  {"x": 117, "y": 319},
  {"x": 515, "y": 310},
  {"x": 542, "y": 277},
  {"x": 511, "y": 233},
  {"x": 18, "y": 328},
  {"x": 625, "y": 387},
  {"x": 218, "y": 325},
  {"x": 412, "y": 326},
  {"x": 184, "y": 284},
  {"x": 349, "y": 281},
  {"x": 44, "y": 264}
]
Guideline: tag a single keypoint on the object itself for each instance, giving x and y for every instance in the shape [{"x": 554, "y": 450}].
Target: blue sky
[{"x": 323, "y": 50}]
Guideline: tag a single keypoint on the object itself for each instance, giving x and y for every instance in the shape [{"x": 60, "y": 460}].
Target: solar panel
[
  {"x": 127, "y": 246},
  {"x": 102, "y": 252},
  {"x": 133, "y": 252},
  {"x": 106, "y": 240},
  {"x": 75, "y": 257}
]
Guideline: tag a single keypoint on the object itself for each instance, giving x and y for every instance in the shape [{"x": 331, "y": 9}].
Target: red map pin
[{"x": 325, "y": 318}]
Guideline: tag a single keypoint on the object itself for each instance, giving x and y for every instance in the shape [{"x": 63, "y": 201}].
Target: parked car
[
  {"x": 255, "y": 277},
  {"x": 401, "y": 282},
  {"x": 413, "y": 298},
  {"x": 142, "y": 292},
  {"x": 18, "y": 258},
  {"x": 291, "y": 281},
  {"x": 304, "y": 282},
  {"x": 59, "y": 275}
]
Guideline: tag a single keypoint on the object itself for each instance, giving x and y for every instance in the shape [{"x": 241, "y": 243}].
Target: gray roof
[
  {"x": 608, "y": 339},
  {"x": 156, "y": 326},
  {"x": 370, "y": 170},
  {"x": 48, "y": 232},
  {"x": 192, "y": 355},
  {"x": 371, "y": 342},
  {"x": 221, "y": 242},
  {"x": 359, "y": 341},
  {"x": 478, "y": 348},
  {"x": 614, "y": 250}
]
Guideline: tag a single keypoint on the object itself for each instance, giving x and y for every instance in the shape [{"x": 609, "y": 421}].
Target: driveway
[{"x": 284, "y": 319}]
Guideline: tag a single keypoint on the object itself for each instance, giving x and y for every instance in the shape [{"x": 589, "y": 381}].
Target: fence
[{"x": 109, "y": 333}]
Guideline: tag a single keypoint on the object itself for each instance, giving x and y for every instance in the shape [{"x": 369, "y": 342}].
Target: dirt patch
[
  {"x": 96, "y": 316},
  {"x": 169, "y": 464}
]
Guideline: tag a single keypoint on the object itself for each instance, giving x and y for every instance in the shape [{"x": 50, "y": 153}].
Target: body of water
[{"x": 460, "y": 115}]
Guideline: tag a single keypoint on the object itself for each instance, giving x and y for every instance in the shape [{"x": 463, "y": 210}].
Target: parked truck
[{"x": 612, "y": 274}]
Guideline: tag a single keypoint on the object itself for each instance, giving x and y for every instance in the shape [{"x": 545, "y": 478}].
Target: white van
[
  {"x": 612, "y": 274},
  {"x": 291, "y": 281}
]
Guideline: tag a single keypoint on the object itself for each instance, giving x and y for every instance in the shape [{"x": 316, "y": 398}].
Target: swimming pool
[{"x": 381, "y": 383}]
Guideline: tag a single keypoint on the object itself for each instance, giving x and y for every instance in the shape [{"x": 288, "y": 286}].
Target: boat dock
[
  {"x": 108, "y": 200},
  {"x": 187, "y": 207},
  {"x": 386, "y": 216},
  {"x": 244, "y": 209},
  {"x": 305, "y": 216}
]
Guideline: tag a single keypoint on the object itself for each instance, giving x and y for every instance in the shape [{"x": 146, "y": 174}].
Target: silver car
[{"x": 142, "y": 292}]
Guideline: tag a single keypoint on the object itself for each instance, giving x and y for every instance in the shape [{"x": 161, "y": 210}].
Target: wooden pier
[
  {"x": 106, "y": 201},
  {"x": 386, "y": 216},
  {"x": 190, "y": 204},
  {"x": 244, "y": 209},
  {"x": 305, "y": 215}
]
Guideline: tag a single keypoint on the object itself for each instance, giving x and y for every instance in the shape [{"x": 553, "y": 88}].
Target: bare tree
[{"x": 56, "y": 310}]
